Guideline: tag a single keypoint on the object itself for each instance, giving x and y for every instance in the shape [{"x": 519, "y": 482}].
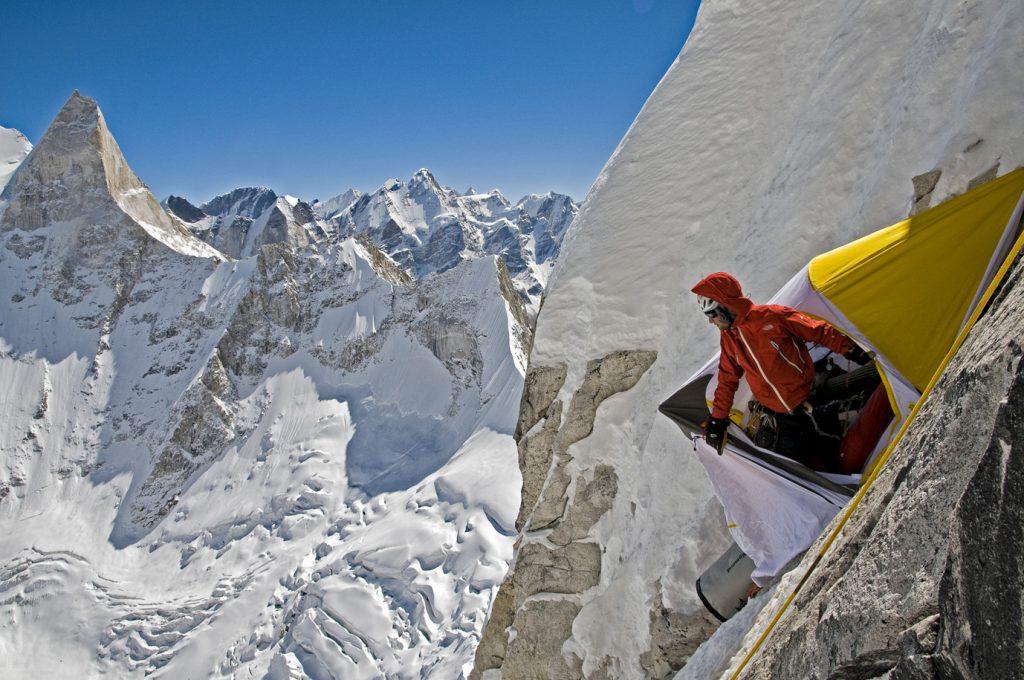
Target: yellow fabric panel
[{"x": 909, "y": 287}]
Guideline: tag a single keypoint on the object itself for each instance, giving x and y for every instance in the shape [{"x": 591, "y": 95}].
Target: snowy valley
[{"x": 257, "y": 438}]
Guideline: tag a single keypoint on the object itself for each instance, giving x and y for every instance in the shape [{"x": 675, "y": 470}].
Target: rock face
[
  {"x": 555, "y": 557},
  {"x": 298, "y": 463},
  {"x": 782, "y": 130},
  {"x": 927, "y": 578},
  {"x": 180, "y": 207}
]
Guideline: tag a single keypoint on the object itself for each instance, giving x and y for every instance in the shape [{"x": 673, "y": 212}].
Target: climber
[{"x": 767, "y": 344}]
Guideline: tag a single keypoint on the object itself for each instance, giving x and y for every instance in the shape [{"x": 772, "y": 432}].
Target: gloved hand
[
  {"x": 714, "y": 433},
  {"x": 858, "y": 356}
]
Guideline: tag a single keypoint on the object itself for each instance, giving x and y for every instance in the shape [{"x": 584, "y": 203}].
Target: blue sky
[{"x": 311, "y": 98}]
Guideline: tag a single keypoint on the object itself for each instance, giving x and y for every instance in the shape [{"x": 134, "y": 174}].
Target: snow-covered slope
[
  {"x": 240, "y": 222},
  {"x": 14, "y": 146},
  {"x": 334, "y": 205},
  {"x": 782, "y": 129},
  {"x": 294, "y": 464}
]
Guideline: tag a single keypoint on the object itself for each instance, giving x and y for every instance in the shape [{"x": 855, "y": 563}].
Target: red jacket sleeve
[
  {"x": 815, "y": 330},
  {"x": 729, "y": 374}
]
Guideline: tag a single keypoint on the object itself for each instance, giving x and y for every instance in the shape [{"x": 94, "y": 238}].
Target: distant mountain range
[{"x": 425, "y": 227}]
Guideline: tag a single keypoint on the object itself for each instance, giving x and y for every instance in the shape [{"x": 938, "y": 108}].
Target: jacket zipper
[
  {"x": 761, "y": 370},
  {"x": 785, "y": 358}
]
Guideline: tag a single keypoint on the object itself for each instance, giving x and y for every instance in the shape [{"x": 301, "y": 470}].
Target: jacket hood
[{"x": 724, "y": 289}]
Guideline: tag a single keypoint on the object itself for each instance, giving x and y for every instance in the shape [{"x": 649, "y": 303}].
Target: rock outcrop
[{"x": 556, "y": 563}]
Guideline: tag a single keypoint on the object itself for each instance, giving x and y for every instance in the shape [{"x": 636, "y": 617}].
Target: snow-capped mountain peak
[
  {"x": 240, "y": 222},
  {"x": 332, "y": 206},
  {"x": 427, "y": 228},
  {"x": 182, "y": 209},
  {"x": 248, "y": 202},
  {"x": 297, "y": 462},
  {"x": 423, "y": 225},
  {"x": 76, "y": 170}
]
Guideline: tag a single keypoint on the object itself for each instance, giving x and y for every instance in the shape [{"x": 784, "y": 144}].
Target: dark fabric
[
  {"x": 714, "y": 432},
  {"x": 687, "y": 408}
]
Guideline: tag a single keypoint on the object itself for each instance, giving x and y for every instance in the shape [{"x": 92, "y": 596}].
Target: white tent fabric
[{"x": 770, "y": 517}]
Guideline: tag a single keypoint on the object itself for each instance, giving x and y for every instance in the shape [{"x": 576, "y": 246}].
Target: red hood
[{"x": 726, "y": 290}]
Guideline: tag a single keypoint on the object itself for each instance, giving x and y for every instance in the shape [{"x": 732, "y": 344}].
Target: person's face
[{"x": 717, "y": 319}]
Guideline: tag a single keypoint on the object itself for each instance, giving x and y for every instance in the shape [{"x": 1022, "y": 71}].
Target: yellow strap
[{"x": 996, "y": 280}]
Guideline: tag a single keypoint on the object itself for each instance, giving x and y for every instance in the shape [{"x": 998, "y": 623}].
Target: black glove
[
  {"x": 858, "y": 356},
  {"x": 714, "y": 433}
]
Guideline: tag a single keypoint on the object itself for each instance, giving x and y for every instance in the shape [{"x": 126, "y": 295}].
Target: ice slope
[
  {"x": 192, "y": 485},
  {"x": 781, "y": 130},
  {"x": 14, "y": 146}
]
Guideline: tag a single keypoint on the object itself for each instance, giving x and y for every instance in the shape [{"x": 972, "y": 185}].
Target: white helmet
[{"x": 707, "y": 304}]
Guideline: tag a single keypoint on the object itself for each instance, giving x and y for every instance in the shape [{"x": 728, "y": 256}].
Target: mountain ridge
[{"x": 422, "y": 225}]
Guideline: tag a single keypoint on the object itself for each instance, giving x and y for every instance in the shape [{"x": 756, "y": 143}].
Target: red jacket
[{"x": 766, "y": 343}]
